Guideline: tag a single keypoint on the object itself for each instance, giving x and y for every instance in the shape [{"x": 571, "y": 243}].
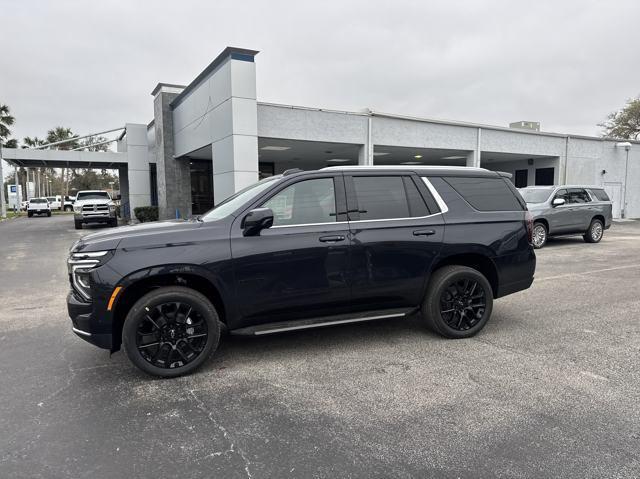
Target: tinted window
[
  {"x": 305, "y": 202},
  {"x": 600, "y": 195},
  {"x": 562, "y": 194},
  {"x": 37, "y": 200},
  {"x": 381, "y": 197},
  {"x": 417, "y": 206},
  {"x": 578, "y": 196},
  {"x": 536, "y": 195},
  {"x": 486, "y": 194}
]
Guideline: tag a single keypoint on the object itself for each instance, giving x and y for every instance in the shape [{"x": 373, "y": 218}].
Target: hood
[{"x": 148, "y": 234}]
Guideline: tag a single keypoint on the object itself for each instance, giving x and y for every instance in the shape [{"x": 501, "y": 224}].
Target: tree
[
  {"x": 624, "y": 123},
  {"x": 93, "y": 143},
  {"x": 28, "y": 142},
  {"x": 6, "y": 120},
  {"x": 60, "y": 133}
]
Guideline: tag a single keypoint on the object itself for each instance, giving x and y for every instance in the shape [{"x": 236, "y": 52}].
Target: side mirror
[
  {"x": 558, "y": 202},
  {"x": 256, "y": 220}
]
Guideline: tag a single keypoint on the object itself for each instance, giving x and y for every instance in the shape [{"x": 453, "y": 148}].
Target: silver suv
[{"x": 567, "y": 210}]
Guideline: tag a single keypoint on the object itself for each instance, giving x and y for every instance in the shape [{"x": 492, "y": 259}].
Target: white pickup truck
[
  {"x": 94, "y": 206},
  {"x": 56, "y": 203},
  {"x": 38, "y": 206}
]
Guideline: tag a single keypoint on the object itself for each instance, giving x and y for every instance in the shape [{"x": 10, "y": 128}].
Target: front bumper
[{"x": 80, "y": 313}]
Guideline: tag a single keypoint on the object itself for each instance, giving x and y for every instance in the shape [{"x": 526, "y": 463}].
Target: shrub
[{"x": 146, "y": 213}]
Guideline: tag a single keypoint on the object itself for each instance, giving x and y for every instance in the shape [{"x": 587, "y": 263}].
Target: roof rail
[{"x": 291, "y": 171}]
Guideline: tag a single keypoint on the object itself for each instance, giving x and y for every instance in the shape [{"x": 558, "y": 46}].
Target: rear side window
[
  {"x": 578, "y": 196},
  {"x": 388, "y": 197},
  {"x": 600, "y": 195},
  {"x": 485, "y": 194}
]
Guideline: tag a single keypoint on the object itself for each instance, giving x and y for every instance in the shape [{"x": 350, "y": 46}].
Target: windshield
[
  {"x": 536, "y": 195},
  {"x": 93, "y": 195},
  {"x": 232, "y": 203}
]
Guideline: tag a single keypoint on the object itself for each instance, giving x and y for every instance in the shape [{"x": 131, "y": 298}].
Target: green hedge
[{"x": 146, "y": 213}]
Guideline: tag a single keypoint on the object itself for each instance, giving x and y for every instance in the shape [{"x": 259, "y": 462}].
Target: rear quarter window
[
  {"x": 486, "y": 194},
  {"x": 600, "y": 195}
]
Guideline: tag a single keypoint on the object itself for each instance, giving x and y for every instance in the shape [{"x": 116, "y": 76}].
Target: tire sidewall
[
  {"x": 164, "y": 295},
  {"x": 431, "y": 305}
]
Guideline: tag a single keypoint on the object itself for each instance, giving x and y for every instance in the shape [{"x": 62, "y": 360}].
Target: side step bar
[{"x": 321, "y": 322}]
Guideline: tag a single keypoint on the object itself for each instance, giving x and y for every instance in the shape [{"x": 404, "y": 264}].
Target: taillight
[{"x": 529, "y": 221}]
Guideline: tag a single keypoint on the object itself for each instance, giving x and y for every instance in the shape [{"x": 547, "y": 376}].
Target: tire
[
  {"x": 595, "y": 232},
  {"x": 29, "y": 214},
  {"x": 78, "y": 224},
  {"x": 113, "y": 222},
  {"x": 540, "y": 235},
  {"x": 68, "y": 208},
  {"x": 162, "y": 317},
  {"x": 459, "y": 319},
  {"x": 49, "y": 214}
]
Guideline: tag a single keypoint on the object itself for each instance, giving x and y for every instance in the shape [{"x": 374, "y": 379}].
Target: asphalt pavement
[{"x": 550, "y": 388}]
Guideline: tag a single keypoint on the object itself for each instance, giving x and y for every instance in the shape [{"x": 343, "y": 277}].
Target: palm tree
[
  {"x": 60, "y": 133},
  {"x": 6, "y": 120},
  {"x": 28, "y": 142}
]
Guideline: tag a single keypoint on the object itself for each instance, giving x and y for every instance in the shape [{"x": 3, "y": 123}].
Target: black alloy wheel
[
  {"x": 171, "y": 335},
  {"x": 170, "y": 331},
  {"x": 458, "y": 303},
  {"x": 462, "y": 304}
]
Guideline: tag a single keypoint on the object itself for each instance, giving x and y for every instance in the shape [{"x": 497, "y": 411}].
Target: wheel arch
[
  {"x": 477, "y": 261},
  {"x": 542, "y": 220},
  {"x": 598, "y": 217},
  {"x": 141, "y": 282}
]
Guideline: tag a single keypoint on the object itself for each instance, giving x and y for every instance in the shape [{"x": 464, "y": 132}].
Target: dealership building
[{"x": 213, "y": 137}]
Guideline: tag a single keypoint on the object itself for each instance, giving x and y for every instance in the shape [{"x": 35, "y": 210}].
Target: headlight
[
  {"x": 112, "y": 208},
  {"x": 80, "y": 266},
  {"x": 77, "y": 209}
]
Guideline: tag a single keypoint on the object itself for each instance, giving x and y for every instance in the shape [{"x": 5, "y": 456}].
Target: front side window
[
  {"x": 306, "y": 202},
  {"x": 563, "y": 195}
]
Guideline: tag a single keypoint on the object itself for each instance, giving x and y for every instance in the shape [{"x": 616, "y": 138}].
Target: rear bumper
[
  {"x": 514, "y": 287},
  {"x": 81, "y": 319}
]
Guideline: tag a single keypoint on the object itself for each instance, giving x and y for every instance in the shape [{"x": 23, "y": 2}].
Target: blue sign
[{"x": 13, "y": 188}]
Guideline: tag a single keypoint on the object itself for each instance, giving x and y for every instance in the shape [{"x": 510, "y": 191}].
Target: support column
[
  {"x": 365, "y": 151},
  {"x": 138, "y": 165},
  {"x": 126, "y": 213},
  {"x": 174, "y": 176},
  {"x": 234, "y": 132}
]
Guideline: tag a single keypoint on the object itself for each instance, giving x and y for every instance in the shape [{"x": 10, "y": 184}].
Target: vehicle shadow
[
  {"x": 563, "y": 241},
  {"x": 297, "y": 345}
]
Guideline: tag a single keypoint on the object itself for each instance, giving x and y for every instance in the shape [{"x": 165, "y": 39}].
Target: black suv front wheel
[
  {"x": 171, "y": 331},
  {"x": 458, "y": 303}
]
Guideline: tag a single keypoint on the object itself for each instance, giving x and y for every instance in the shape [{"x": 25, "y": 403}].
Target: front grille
[{"x": 95, "y": 208}]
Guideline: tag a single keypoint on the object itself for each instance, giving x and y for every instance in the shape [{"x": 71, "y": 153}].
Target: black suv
[{"x": 302, "y": 250}]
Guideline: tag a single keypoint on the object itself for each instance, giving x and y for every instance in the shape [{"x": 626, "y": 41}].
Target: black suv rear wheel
[
  {"x": 459, "y": 302},
  {"x": 171, "y": 331}
]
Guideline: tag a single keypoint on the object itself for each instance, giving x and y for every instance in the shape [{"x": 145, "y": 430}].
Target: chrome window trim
[
  {"x": 436, "y": 196},
  {"x": 439, "y": 201}
]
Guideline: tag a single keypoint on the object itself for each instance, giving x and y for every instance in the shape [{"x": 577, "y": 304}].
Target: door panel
[
  {"x": 390, "y": 257},
  {"x": 561, "y": 217},
  {"x": 292, "y": 271}
]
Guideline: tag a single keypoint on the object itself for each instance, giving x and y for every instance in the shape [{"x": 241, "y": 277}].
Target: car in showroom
[
  {"x": 94, "y": 206},
  {"x": 568, "y": 210},
  {"x": 304, "y": 250},
  {"x": 38, "y": 206}
]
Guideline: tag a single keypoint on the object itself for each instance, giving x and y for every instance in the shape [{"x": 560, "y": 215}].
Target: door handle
[
  {"x": 424, "y": 232},
  {"x": 331, "y": 238}
]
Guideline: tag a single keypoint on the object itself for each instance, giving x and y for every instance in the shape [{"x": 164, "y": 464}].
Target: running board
[{"x": 283, "y": 326}]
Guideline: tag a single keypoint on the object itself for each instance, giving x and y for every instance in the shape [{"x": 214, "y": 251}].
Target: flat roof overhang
[{"x": 33, "y": 158}]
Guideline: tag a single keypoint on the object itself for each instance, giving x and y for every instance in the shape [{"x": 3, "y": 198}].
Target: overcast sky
[{"x": 91, "y": 65}]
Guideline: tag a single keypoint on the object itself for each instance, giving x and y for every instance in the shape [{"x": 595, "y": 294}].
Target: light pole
[
  {"x": 3, "y": 204},
  {"x": 627, "y": 146}
]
